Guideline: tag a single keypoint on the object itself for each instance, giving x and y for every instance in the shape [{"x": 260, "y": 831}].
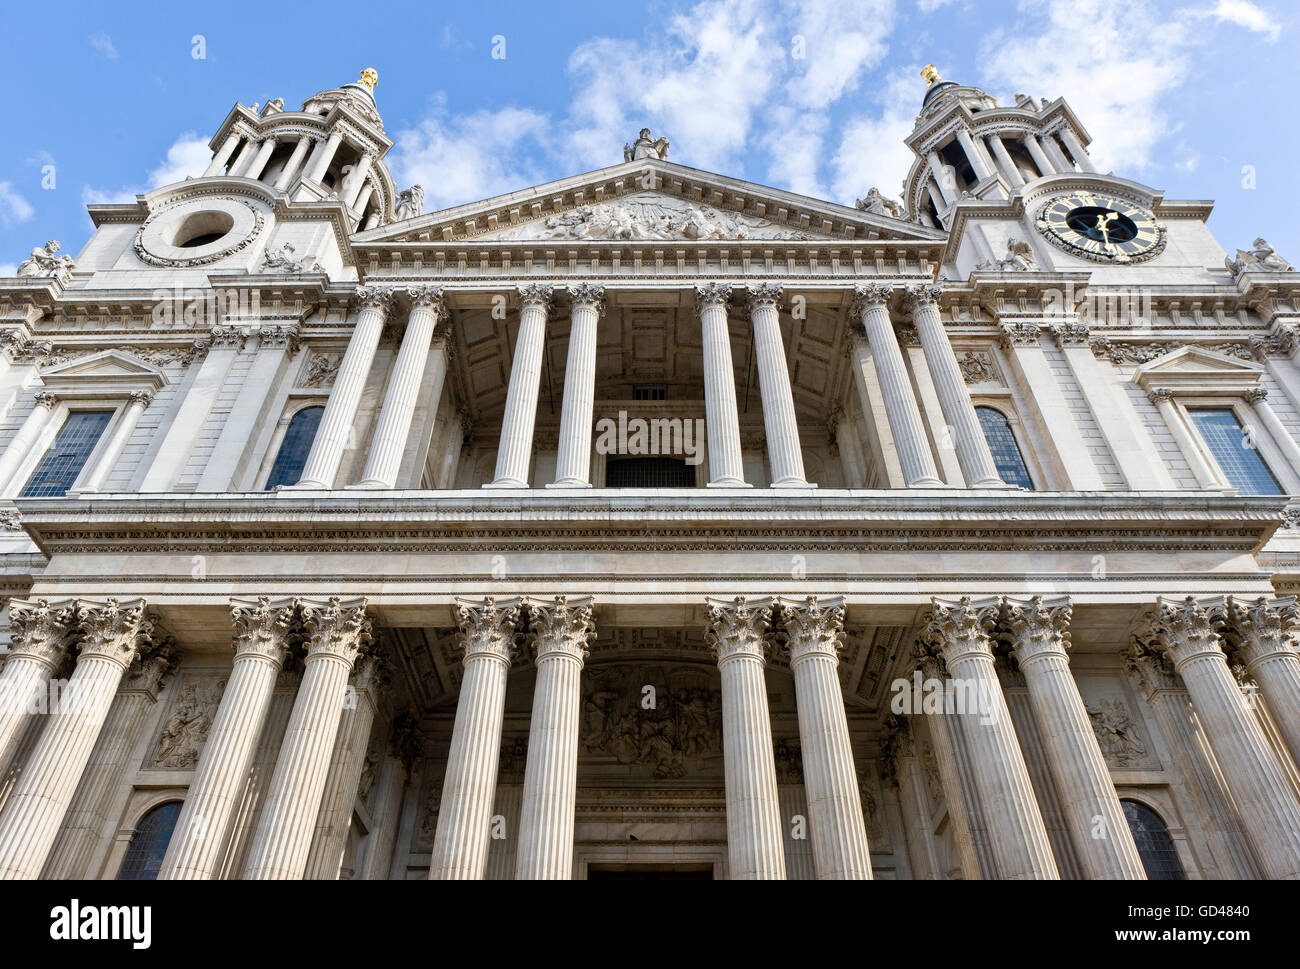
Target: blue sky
[{"x": 1194, "y": 97}]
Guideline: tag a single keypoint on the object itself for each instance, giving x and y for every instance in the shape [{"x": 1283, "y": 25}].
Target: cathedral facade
[{"x": 650, "y": 523}]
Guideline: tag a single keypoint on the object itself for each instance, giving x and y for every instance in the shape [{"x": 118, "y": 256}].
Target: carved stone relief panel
[
  {"x": 1120, "y": 731},
  {"x": 185, "y": 729}
]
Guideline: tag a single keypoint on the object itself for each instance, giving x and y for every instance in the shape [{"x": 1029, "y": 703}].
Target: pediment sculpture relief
[
  {"x": 651, "y": 217},
  {"x": 186, "y": 730}
]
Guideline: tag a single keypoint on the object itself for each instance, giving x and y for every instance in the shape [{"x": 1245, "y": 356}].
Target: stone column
[
  {"x": 1263, "y": 634},
  {"x": 292, "y": 166},
  {"x": 258, "y": 164},
  {"x": 89, "y": 812},
  {"x": 351, "y": 187},
  {"x": 722, "y": 421},
  {"x": 1270, "y": 813},
  {"x": 815, "y": 631},
  {"x": 1009, "y": 167},
  {"x": 112, "y": 635},
  {"x": 779, "y": 419},
  {"x": 335, "y": 428},
  {"x": 246, "y": 152},
  {"x": 573, "y": 461},
  {"x": 871, "y": 307},
  {"x": 386, "y": 807},
  {"x": 978, "y": 160},
  {"x": 1045, "y": 167},
  {"x": 323, "y": 155},
  {"x": 1273, "y": 425},
  {"x": 339, "y": 631},
  {"x": 42, "y": 633},
  {"x": 203, "y": 829},
  {"x": 370, "y": 677},
  {"x": 394, "y": 427},
  {"x": 1017, "y": 835},
  {"x": 943, "y": 177},
  {"x": 22, "y": 443},
  {"x": 1080, "y": 153},
  {"x": 117, "y": 441},
  {"x": 460, "y": 844},
  {"x": 515, "y": 450},
  {"x": 561, "y": 632},
  {"x": 1038, "y": 629},
  {"x": 222, "y": 155},
  {"x": 963, "y": 425},
  {"x": 735, "y": 634},
  {"x": 1206, "y": 476}
]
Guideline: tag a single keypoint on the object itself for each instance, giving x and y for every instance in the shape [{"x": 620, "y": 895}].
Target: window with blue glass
[
  {"x": 1235, "y": 450},
  {"x": 144, "y": 855},
  {"x": 1006, "y": 452},
  {"x": 63, "y": 462},
  {"x": 1155, "y": 848},
  {"x": 295, "y": 447}
]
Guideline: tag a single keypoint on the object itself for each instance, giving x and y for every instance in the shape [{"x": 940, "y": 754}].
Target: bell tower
[
  {"x": 967, "y": 146},
  {"x": 332, "y": 149}
]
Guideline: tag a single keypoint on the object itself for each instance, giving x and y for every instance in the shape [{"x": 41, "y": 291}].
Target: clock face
[{"x": 1101, "y": 227}]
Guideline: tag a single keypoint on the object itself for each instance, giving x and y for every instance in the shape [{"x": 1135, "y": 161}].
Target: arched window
[
  {"x": 1155, "y": 847},
  {"x": 1006, "y": 452},
  {"x": 295, "y": 447},
  {"x": 144, "y": 856}
]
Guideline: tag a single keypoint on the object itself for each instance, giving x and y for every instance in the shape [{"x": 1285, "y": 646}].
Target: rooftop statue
[
  {"x": 1261, "y": 258},
  {"x": 44, "y": 262},
  {"x": 646, "y": 147}
]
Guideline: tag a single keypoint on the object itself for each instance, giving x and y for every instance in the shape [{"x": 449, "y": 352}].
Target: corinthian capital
[
  {"x": 813, "y": 626},
  {"x": 152, "y": 666},
  {"x": 959, "y": 628},
  {"x": 487, "y": 627},
  {"x": 336, "y": 627},
  {"x": 736, "y": 627},
  {"x": 425, "y": 297},
  {"x": 1185, "y": 628},
  {"x": 262, "y": 627},
  {"x": 113, "y": 630},
  {"x": 587, "y": 294},
  {"x": 375, "y": 298},
  {"x": 536, "y": 294},
  {"x": 873, "y": 294},
  {"x": 923, "y": 295},
  {"x": 561, "y": 627},
  {"x": 42, "y": 630},
  {"x": 1261, "y": 628},
  {"x": 711, "y": 294},
  {"x": 1038, "y": 626},
  {"x": 763, "y": 294}
]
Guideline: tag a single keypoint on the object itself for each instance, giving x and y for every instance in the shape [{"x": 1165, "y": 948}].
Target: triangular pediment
[
  {"x": 1196, "y": 370},
  {"x": 1191, "y": 360},
  {"x": 652, "y": 201},
  {"x": 108, "y": 370}
]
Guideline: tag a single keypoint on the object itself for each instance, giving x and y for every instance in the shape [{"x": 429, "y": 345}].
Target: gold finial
[
  {"x": 369, "y": 78},
  {"x": 931, "y": 75}
]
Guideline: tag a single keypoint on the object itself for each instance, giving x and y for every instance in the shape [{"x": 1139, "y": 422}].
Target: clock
[{"x": 1102, "y": 228}]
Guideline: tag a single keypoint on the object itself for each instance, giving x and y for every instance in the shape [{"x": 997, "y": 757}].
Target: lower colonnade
[{"x": 967, "y": 644}]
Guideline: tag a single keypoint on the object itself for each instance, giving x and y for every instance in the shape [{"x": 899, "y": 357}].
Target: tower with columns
[{"x": 651, "y": 522}]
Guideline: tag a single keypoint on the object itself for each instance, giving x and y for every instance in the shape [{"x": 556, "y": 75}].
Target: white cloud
[
  {"x": 929, "y": 6},
  {"x": 187, "y": 157},
  {"x": 1243, "y": 13},
  {"x": 104, "y": 44},
  {"x": 470, "y": 157},
  {"x": 13, "y": 207},
  {"x": 871, "y": 150},
  {"x": 701, "y": 83},
  {"x": 1117, "y": 64}
]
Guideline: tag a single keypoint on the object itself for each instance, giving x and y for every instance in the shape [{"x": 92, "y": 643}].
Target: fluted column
[
  {"x": 246, "y": 152},
  {"x": 561, "y": 631},
  {"x": 42, "y": 633},
  {"x": 573, "y": 461},
  {"x": 975, "y": 154},
  {"x": 1077, "y": 150},
  {"x": 88, "y": 813},
  {"x": 339, "y": 630},
  {"x": 113, "y": 633},
  {"x": 117, "y": 441},
  {"x": 735, "y": 634},
  {"x": 341, "y": 410},
  {"x": 21, "y": 445},
  {"x": 1263, "y": 631},
  {"x": 222, "y": 154},
  {"x": 460, "y": 844},
  {"x": 875, "y": 338},
  {"x": 356, "y": 178},
  {"x": 323, "y": 155},
  {"x": 1039, "y": 631},
  {"x": 815, "y": 631},
  {"x": 515, "y": 450},
  {"x": 370, "y": 677},
  {"x": 394, "y": 425},
  {"x": 779, "y": 421},
  {"x": 1270, "y": 813},
  {"x": 964, "y": 427},
  {"x": 1273, "y": 425},
  {"x": 1045, "y": 167},
  {"x": 202, "y": 831},
  {"x": 291, "y": 167},
  {"x": 1009, "y": 167},
  {"x": 721, "y": 419},
  {"x": 258, "y": 164},
  {"x": 1017, "y": 835}
]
